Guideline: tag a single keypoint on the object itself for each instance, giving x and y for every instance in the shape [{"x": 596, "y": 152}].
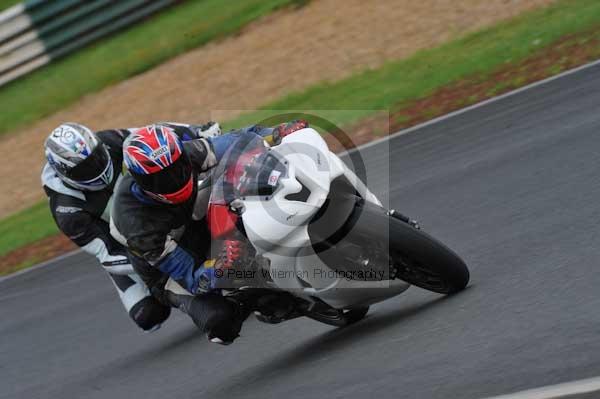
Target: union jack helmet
[
  {"x": 155, "y": 158},
  {"x": 78, "y": 157}
]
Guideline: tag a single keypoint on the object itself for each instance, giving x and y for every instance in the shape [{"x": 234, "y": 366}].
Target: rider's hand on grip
[
  {"x": 206, "y": 277},
  {"x": 285, "y": 129}
]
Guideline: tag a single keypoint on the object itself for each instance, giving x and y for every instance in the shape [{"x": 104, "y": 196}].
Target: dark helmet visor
[
  {"x": 169, "y": 180},
  {"x": 91, "y": 167}
]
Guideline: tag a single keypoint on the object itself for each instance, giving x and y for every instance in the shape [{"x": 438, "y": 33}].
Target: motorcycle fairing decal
[{"x": 274, "y": 178}]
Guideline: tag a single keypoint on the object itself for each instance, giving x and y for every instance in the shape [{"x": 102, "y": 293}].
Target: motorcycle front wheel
[
  {"x": 414, "y": 255},
  {"x": 368, "y": 235}
]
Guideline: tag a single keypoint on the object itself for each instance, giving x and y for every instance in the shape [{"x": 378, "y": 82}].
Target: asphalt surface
[{"x": 513, "y": 187}]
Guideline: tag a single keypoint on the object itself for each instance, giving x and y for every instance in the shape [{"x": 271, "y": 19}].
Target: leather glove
[{"x": 285, "y": 129}]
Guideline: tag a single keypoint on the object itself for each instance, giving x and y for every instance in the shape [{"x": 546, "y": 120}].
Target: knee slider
[
  {"x": 149, "y": 313},
  {"x": 215, "y": 316}
]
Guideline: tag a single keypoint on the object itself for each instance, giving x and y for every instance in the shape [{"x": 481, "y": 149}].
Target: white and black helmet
[{"x": 78, "y": 157}]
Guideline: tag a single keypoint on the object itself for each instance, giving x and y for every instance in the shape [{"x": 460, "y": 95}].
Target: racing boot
[
  {"x": 224, "y": 318},
  {"x": 219, "y": 317}
]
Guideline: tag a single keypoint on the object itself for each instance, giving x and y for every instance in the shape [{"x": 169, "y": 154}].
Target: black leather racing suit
[
  {"x": 84, "y": 217},
  {"x": 175, "y": 239}
]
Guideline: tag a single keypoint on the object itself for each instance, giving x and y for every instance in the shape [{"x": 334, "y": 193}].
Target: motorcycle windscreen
[
  {"x": 261, "y": 177},
  {"x": 248, "y": 168}
]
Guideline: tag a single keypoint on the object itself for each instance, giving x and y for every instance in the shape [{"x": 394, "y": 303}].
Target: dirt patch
[
  {"x": 39, "y": 251},
  {"x": 568, "y": 53},
  {"x": 284, "y": 52}
]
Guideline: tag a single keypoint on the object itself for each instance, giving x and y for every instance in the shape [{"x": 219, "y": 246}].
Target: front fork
[{"x": 397, "y": 215}]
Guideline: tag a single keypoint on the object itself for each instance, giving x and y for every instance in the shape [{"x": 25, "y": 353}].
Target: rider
[
  {"x": 79, "y": 177},
  {"x": 159, "y": 213}
]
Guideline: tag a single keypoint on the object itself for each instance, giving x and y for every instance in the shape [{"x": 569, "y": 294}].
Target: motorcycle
[{"x": 321, "y": 243}]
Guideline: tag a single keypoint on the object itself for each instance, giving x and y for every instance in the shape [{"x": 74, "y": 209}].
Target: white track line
[
  {"x": 557, "y": 391},
  {"x": 40, "y": 265},
  {"x": 375, "y": 142}
]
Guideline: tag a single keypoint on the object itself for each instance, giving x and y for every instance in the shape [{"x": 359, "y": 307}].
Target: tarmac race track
[{"x": 513, "y": 186}]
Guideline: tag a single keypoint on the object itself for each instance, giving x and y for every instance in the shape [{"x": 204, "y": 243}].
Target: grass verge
[
  {"x": 432, "y": 82},
  {"x": 25, "y": 227},
  {"x": 4, "y": 4},
  {"x": 479, "y": 54},
  {"x": 130, "y": 52}
]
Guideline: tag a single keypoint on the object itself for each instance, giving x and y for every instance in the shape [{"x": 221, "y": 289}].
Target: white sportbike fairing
[
  {"x": 319, "y": 233},
  {"x": 278, "y": 227}
]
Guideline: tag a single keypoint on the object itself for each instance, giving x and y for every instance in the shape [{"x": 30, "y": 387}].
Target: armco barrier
[{"x": 36, "y": 32}]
